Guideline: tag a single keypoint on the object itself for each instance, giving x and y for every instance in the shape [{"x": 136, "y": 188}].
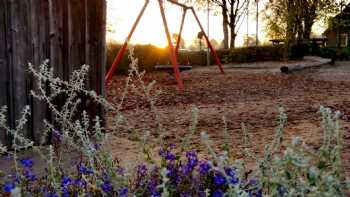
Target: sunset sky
[{"x": 122, "y": 14}]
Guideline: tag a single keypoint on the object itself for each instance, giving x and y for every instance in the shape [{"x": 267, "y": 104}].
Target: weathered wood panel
[
  {"x": 4, "y": 71},
  {"x": 19, "y": 12},
  {"x": 68, "y": 32},
  {"x": 40, "y": 48},
  {"x": 95, "y": 47}
]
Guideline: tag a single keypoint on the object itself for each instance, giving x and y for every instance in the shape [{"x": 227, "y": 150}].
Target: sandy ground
[{"x": 247, "y": 93}]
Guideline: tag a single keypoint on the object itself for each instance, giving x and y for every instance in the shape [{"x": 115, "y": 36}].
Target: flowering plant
[{"x": 284, "y": 170}]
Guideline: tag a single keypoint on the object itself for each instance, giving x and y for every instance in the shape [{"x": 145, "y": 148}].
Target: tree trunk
[
  {"x": 233, "y": 38},
  {"x": 232, "y": 25},
  {"x": 309, "y": 19},
  {"x": 225, "y": 23},
  {"x": 308, "y": 23},
  {"x": 290, "y": 34}
]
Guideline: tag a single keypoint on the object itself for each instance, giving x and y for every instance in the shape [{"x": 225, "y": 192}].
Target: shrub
[
  {"x": 343, "y": 54},
  {"x": 298, "y": 51},
  {"x": 149, "y": 56},
  {"x": 291, "y": 170},
  {"x": 253, "y": 54},
  {"x": 334, "y": 53}
]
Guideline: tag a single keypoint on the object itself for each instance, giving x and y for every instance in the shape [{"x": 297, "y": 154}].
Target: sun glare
[{"x": 122, "y": 14}]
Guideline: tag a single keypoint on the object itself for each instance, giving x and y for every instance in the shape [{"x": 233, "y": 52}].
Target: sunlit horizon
[{"x": 122, "y": 14}]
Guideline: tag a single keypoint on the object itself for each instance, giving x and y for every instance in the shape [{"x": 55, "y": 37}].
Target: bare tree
[{"x": 233, "y": 12}]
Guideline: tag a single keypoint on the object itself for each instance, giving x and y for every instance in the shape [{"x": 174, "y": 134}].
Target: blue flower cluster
[
  {"x": 187, "y": 176},
  {"x": 83, "y": 182}
]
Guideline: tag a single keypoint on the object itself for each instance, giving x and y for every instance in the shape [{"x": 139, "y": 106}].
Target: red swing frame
[{"x": 173, "y": 52}]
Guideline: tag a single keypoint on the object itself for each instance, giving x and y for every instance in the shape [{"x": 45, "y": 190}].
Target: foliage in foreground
[{"x": 284, "y": 170}]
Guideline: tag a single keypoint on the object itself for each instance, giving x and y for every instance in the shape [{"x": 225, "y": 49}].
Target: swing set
[{"x": 172, "y": 51}]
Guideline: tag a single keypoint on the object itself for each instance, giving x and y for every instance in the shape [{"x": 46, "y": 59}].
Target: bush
[
  {"x": 334, "y": 53},
  {"x": 343, "y": 54},
  {"x": 298, "y": 51},
  {"x": 253, "y": 54},
  {"x": 291, "y": 170},
  {"x": 149, "y": 56}
]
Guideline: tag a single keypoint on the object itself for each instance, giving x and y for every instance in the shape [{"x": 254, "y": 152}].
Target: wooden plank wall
[
  {"x": 4, "y": 70},
  {"x": 69, "y": 33}
]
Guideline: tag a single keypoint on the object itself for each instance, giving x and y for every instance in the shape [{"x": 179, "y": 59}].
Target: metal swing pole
[
  {"x": 180, "y": 32},
  {"x": 121, "y": 52},
  {"x": 172, "y": 53},
  {"x": 213, "y": 52}
]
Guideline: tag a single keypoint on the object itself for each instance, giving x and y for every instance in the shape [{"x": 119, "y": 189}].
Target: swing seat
[{"x": 170, "y": 69}]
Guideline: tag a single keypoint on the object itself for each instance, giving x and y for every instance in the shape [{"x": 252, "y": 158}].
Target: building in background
[{"x": 338, "y": 32}]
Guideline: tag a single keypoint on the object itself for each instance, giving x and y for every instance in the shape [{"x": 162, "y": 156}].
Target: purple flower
[
  {"x": 155, "y": 194},
  {"x": 185, "y": 195},
  {"x": 51, "y": 195},
  {"x": 167, "y": 155},
  {"x": 80, "y": 183},
  {"x": 192, "y": 162},
  {"x": 204, "y": 167},
  {"x": 219, "y": 179},
  {"x": 232, "y": 174},
  {"x": 142, "y": 170},
  {"x": 65, "y": 192},
  {"x": 282, "y": 190},
  {"x": 85, "y": 170},
  {"x": 123, "y": 192},
  {"x": 66, "y": 181},
  {"x": 97, "y": 146},
  {"x": 120, "y": 171},
  {"x": 191, "y": 155},
  {"x": 152, "y": 187},
  {"x": 29, "y": 175},
  {"x": 218, "y": 193},
  {"x": 8, "y": 157},
  {"x": 170, "y": 157},
  {"x": 174, "y": 172},
  {"x": 186, "y": 169},
  {"x": 257, "y": 193},
  {"x": 252, "y": 181},
  {"x": 192, "y": 159},
  {"x": 8, "y": 187},
  {"x": 202, "y": 193},
  {"x": 28, "y": 163},
  {"x": 107, "y": 187},
  {"x": 57, "y": 135}
]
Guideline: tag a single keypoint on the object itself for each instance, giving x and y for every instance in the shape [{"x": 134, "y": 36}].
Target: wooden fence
[{"x": 69, "y": 33}]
